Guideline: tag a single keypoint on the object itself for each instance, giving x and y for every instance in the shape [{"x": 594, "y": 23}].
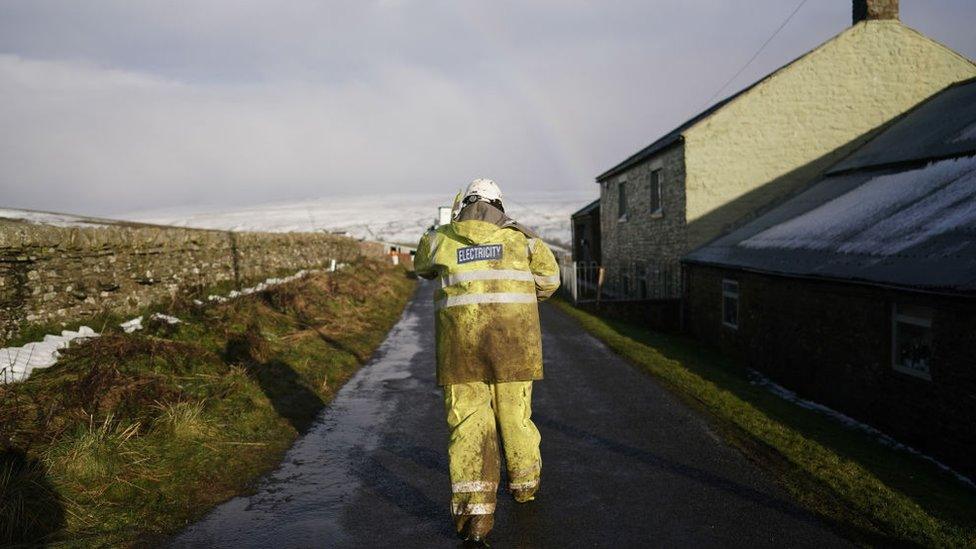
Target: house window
[
  {"x": 656, "y": 192},
  {"x": 730, "y": 303},
  {"x": 911, "y": 340},
  {"x": 622, "y": 200}
]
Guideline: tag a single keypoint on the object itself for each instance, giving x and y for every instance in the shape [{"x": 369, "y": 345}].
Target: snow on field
[
  {"x": 391, "y": 218},
  {"x": 46, "y": 218},
  {"x": 17, "y": 363}
]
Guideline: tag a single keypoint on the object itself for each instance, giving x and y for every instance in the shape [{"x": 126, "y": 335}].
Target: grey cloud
[{"x": 114, "y": 106}]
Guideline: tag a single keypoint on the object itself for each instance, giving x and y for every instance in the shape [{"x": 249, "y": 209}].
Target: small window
[
  {"x": 911, "y": 337},
  {"x": 656, "y": 192},
  {"x": 730, "y": 303},
  {"x": 622, "y": 200}
]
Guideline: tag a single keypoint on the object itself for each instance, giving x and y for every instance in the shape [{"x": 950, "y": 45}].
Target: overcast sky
[{"x": 114, "y": 106}]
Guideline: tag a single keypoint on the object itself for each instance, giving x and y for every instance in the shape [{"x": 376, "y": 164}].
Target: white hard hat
[{"x": 485, "y": 189}]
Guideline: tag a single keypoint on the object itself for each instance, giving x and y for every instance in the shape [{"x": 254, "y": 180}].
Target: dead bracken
[{"x": 190, "y": 412}]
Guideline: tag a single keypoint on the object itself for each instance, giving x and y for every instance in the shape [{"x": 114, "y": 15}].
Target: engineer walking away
[{"x": 493, "y": 271}]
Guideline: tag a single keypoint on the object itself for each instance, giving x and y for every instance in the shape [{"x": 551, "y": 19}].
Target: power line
[{"x": 755, "y": 55}]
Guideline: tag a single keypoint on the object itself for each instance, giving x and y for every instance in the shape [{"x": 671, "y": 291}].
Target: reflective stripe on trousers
[{"x": 476, "y": 414}]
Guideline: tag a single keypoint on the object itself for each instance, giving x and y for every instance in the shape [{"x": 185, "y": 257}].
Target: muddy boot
[
  {"x": 461, "y": 525},
  {"x": 478, "y": 528},
  {"x": 525, "y": 495}
]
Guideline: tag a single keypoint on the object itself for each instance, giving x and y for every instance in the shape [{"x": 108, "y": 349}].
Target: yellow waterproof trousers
[{"x": 476, "y": 412}]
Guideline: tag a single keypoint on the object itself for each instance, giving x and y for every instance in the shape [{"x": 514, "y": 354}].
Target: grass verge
[
  {"x": 131, "y": 436},
  {"x": 873, "y": 494}
]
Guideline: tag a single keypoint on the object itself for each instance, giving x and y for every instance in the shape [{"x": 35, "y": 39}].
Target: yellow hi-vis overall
[{"x": 489, "y": 349}]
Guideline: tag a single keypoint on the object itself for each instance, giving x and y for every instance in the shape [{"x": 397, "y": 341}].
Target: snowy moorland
[
  {"x": 391, "y": 218},
  {"x": 48, "y": 218}
]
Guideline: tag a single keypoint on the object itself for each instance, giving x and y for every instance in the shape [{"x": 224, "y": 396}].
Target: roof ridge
[
  {"x": 677, "y": 133},
  {"x": 940, "y": 44}
]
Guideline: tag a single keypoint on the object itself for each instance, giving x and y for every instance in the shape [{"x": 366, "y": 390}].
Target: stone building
[
  {"x": 586, "y": 233},
  {"x": 728, "y": 163},
  {"x": 860, "y": 291}
]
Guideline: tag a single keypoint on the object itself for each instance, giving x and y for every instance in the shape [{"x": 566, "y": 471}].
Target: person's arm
[
  {"x": 423, "y": 260},
  {"x": 545, "y": 269}
]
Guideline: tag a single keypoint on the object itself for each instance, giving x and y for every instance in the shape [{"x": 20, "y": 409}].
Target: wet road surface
[{"x": 625, "y": 464}]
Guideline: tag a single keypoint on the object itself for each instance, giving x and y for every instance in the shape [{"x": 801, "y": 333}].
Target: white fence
[{"x": 593, "y": 282}]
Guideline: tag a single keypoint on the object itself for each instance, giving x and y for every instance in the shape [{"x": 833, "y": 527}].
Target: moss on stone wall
[{"x": 54, "y": 274}]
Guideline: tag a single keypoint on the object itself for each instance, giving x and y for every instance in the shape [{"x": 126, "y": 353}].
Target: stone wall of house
[
  {"x": 769, "y": 141},
  {"x": 778, "y": 136},
  {"x": 832, "y": 343},
  {"x": 53, "y": 274},
  {"x": 657, "y": 240}
]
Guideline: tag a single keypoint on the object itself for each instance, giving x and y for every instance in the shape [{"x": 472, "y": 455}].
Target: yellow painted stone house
[{"x": 743, "y": 154}]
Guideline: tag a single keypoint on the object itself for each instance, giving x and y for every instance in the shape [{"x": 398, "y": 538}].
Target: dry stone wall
[{"x": 54, "y": 274}]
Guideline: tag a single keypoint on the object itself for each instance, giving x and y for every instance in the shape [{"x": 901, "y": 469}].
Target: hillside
[{"x": 392, "y": 218}]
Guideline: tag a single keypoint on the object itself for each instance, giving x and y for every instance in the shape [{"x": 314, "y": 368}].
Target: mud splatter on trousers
[{"x": 476, "y": 413}]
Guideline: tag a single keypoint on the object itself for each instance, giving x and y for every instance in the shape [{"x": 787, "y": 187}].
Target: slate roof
[
  {"x": 942, "y": 127},
  {"x": 587, "y": 209},
  {"x": 899, "y": 211}
]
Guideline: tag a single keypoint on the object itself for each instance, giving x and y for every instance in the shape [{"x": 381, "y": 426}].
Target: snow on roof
[
  {"x": 886, "y": 215},
  {"x": 899, "y": 211},
  {"x": 913, "y": 228},
  {"x": 967, "y": 134}
]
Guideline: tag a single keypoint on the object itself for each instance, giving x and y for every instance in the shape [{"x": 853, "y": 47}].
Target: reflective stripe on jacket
[{"x": 487, "y": 318}]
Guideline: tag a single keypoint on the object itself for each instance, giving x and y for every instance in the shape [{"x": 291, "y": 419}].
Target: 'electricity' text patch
[{"x": 479, "y": 253}]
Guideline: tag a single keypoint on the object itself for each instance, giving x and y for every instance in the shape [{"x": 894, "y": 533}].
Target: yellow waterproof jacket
[{"x": 492, "y": 273}]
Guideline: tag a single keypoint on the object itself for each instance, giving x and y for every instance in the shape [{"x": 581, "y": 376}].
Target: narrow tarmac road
[{"x": 625, "y": 464}]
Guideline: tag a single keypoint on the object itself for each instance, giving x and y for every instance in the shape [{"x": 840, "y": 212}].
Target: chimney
[{"x": 872, "y": 10}]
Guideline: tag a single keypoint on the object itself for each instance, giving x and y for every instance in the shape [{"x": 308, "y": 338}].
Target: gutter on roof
[
  {"x": 902, "y": 165},
  {"x": 816, "y": 278}
]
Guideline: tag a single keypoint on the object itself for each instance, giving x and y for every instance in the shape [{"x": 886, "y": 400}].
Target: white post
[{"x": 575, "y": 294}]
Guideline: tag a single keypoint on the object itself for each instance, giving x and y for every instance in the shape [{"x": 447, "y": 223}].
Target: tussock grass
[
  {"x": 871, "y": 493},
  {"x": 130, "y": 436},
  {"x": 184, "y": 420},
  {"x": 94, "y": 452}
]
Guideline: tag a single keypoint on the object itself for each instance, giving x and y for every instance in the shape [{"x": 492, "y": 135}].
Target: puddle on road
[{"x": 301, "y": 500}]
